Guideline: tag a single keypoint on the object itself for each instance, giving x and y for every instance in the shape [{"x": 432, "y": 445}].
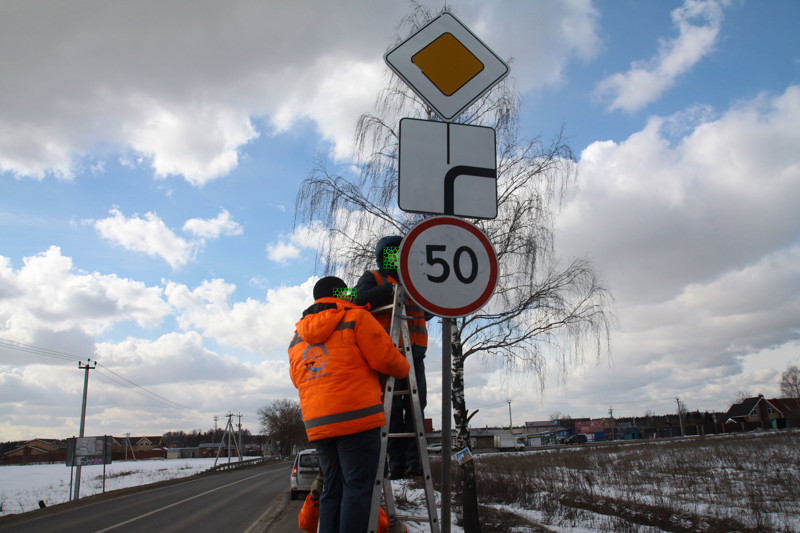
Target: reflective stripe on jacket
[
  {"x": 334, "y": 359},
  {"x": 417, "y": 329}
]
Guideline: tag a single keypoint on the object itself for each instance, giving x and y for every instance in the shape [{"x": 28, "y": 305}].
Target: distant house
[
  {"x": 789, "y": 409},
  {"x": 146, "y": 444},
  {"x": 37, "y": 451},
  {"x": 752, "y": 413},
  {"x": 215, "y": 449},
  {"x": 592, "y": 428},
  {"x": 127, "y": 448},
  {"x": 183, "y": 453}
]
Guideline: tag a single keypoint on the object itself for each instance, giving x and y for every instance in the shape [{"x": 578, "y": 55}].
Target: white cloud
[
  {"x": 48, "y": 294},
  {"x": 541, "y": 37},
  {"x": 665, "y": 214},
  {"x": 211, "y": 228},
  {"x": 182, "y": 86},
  {"x": 179, "y": 358},
  {"x": 697, "y": 239},
  {"x": 256, "y": 326},
  {"x": 290, "y": 247},
  {"x": 646, "y": 81},
  {"x": 152, "y": 236},
  {"x": 281, "y": 252},
  {"x": 149, "y": 235},
  {"x": 199, "y": 141}
]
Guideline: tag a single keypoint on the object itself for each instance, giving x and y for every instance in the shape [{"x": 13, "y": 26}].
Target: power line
[
  {"x": 135, "y": 387},
  {"x": 46, "y": 352},
  {"x": 64, "y": 356}
]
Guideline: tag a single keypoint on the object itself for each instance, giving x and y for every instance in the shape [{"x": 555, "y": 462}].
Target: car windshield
[{"x": 309, "y": 460}]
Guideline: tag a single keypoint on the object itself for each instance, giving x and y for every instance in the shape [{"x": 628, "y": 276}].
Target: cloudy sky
[{"x": 150, "y": 157}]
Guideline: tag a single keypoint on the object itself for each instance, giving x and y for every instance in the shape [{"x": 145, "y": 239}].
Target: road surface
[{"x": 231, "y": 502}]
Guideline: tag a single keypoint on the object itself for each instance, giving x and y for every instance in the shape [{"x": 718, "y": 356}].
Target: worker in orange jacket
[
  {"x": 335, "y": 358},
  {"x": 309, "y": 514},
  {"x": 376, "y": 288}
]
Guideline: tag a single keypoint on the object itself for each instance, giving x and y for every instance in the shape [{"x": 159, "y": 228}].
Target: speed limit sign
[{"x": 448, "y": 266}]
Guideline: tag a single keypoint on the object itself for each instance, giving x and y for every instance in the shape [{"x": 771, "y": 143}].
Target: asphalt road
[{"x": 238, "y": 501}]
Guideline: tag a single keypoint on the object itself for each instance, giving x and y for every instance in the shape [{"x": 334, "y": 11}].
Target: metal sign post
[
  {"x": 447, "y": 418},
  {"x": 450, "y": 266}
]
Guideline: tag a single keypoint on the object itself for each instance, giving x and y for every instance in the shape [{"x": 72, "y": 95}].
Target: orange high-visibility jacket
[
  {"x": 334, "y": 359},
  {"x": 417, "y": 329},
  {"x": 308, "y": 519}
]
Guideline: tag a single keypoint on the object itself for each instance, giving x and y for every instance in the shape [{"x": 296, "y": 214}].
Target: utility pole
[
  {"x": 215, "y": 429},
  {"x": 231, "y": 437},
  {"x": 680, "y": 413},
  {"x": 240, "y": 415},
  {"x": 510, "y": 424},
  {"x": 611, "y": 420},
  {"x": 88, "y": 366},
  {"x": 129, "y": 445}
]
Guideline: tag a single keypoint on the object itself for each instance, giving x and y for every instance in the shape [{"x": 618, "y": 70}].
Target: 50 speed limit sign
[{"x": 448, "y": 266}]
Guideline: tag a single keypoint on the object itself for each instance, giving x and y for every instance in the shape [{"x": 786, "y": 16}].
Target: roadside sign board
[
  {"x": 448, "y": 266},
  {"x": 447, "y": 168},
  {"x": 82, "y": 451},
  {"x": 446, "y": 65}
]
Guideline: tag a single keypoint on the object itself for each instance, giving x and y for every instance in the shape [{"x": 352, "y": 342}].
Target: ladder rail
[
  {"x": 419, "y": 426},
  {"x": 383, "y": 486}
]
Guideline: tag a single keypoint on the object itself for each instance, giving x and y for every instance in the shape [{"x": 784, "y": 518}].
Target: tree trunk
[{"x": 469, "y": 492}]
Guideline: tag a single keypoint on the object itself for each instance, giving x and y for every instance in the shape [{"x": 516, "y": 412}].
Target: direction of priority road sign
[
  {"x": 446, "y": 65},
  {"x": 447, "y": 168},
  {"x": 448, "y": 266}
]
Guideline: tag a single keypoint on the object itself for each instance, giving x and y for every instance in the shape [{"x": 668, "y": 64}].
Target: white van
[{"x": 304, "y": 471}]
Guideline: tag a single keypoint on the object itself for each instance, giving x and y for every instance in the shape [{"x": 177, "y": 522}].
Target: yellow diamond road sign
[{"x": 446, "y": 65}]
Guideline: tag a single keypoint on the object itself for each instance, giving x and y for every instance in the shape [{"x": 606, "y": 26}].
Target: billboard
[{"x": 82, "y": 451}]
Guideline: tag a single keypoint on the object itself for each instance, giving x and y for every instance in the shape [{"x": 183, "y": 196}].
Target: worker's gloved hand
[
  {"x": 395, "y": 526},
  {"x": 316, "y": 488}
]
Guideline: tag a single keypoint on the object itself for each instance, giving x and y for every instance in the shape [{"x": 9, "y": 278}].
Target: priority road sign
[
  {"x": 448, "y": 266},
  {"x": 447, "y": 168},
  {"x": 446, "y": 65}
]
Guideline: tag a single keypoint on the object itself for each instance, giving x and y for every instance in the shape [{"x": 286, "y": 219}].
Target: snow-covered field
[
  {"x": 22, "y": 486},
  {"x": 734, "y": 482}
]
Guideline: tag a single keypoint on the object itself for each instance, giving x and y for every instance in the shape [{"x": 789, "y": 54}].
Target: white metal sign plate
[
  {"x": 447, "y": 169},
  {"x": 448, "y": 266},
  {"x": 446, "y": 65}
]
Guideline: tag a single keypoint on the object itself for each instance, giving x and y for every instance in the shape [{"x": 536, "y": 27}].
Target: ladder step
[
  {"x": 402, "y": 435},
  {"x": 412, "y": 518}
]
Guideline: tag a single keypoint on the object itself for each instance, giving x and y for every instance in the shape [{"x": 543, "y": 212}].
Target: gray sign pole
[
  {"x": 447, "y": 447},
  {"x": 87, "y": 367}
]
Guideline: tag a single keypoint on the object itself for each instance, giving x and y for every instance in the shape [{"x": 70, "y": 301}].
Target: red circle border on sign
[{"x": 424, "y": 302}]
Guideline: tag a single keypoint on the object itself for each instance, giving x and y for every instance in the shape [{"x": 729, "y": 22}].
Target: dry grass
[{"x": 744, "y": 483}]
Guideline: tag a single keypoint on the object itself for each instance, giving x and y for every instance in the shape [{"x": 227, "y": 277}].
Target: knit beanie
[
  {"x": 391, "y": 240},
  {"x": 324, "y": 287}
]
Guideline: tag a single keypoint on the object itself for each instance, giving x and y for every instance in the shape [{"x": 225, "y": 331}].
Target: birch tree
[
  {"x": 544, "y": 312},
  {"x": 790, "y": 382}
]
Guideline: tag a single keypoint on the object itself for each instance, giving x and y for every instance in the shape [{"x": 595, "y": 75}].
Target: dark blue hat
[
  {"x": 391, "y": 240},
  {"x": 325, "y": 286}
]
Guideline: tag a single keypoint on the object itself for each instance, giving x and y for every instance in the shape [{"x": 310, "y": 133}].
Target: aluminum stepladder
[{"x": 383, "y": 485}]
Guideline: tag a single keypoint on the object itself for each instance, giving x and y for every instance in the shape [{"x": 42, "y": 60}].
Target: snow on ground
[{"x": 22, "y": 486}]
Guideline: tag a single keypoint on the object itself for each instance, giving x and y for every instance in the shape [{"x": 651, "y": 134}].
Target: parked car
[
  {"x": 304, "y": 471},
  {"x": 577, "y": 439},
  {"x": 435, "y": 447}
]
